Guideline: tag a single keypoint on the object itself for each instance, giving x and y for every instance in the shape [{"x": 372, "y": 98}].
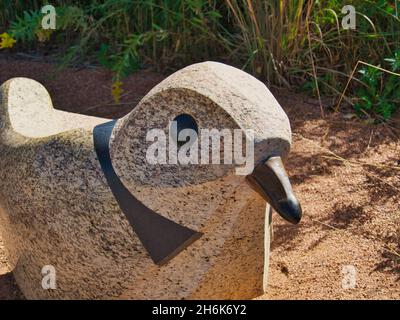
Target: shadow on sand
[{"x": 8, "y": 288}]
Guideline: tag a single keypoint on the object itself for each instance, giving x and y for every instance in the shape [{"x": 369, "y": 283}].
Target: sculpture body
[{"x": 56, "y": 207}]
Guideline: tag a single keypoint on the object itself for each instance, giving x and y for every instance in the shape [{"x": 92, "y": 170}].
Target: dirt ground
[{"x": 345, "y": 172}]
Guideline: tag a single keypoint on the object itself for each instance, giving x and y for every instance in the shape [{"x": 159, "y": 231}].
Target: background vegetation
[{"x": 297, "y": 44}]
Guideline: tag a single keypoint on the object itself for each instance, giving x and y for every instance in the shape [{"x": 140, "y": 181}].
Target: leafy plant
[
  {"x": 380, "y": 93},
  {"x": 25, "y": 27},
  {"x": 291, "y": 43}
]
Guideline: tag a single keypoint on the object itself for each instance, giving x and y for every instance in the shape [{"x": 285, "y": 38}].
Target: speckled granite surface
[{"x": 57, "y": 209}]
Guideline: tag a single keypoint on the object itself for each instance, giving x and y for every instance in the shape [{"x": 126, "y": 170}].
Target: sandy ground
[
  {"x": 345, "y": 172},
  {"x": 346, "y": 175}
]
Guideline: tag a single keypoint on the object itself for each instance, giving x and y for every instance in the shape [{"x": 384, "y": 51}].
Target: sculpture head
[{"x": 197, "y": 137}]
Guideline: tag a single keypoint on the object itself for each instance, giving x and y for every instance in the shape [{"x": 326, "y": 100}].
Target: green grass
[{"x": 293, "y": 43}]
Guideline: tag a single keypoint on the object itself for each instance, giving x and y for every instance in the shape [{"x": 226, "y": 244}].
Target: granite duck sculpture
[{"x": 79, "y": 194}]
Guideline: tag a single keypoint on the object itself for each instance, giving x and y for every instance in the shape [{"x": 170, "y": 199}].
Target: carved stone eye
[{"x": 183, "y": 121}]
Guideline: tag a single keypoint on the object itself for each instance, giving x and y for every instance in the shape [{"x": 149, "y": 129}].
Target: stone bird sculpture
[{"x": 82, "y": 195}]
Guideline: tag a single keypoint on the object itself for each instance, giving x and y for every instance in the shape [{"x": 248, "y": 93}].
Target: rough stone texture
[{"x": 57, "y": 209}]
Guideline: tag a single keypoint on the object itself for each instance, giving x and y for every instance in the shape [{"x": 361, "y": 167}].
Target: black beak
[{"x": 270, "y": 180}]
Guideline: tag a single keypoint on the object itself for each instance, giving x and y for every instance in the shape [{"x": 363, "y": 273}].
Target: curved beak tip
[
  {"x": 290, "y": 210},
  {"x": 270, "y": 180}
]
